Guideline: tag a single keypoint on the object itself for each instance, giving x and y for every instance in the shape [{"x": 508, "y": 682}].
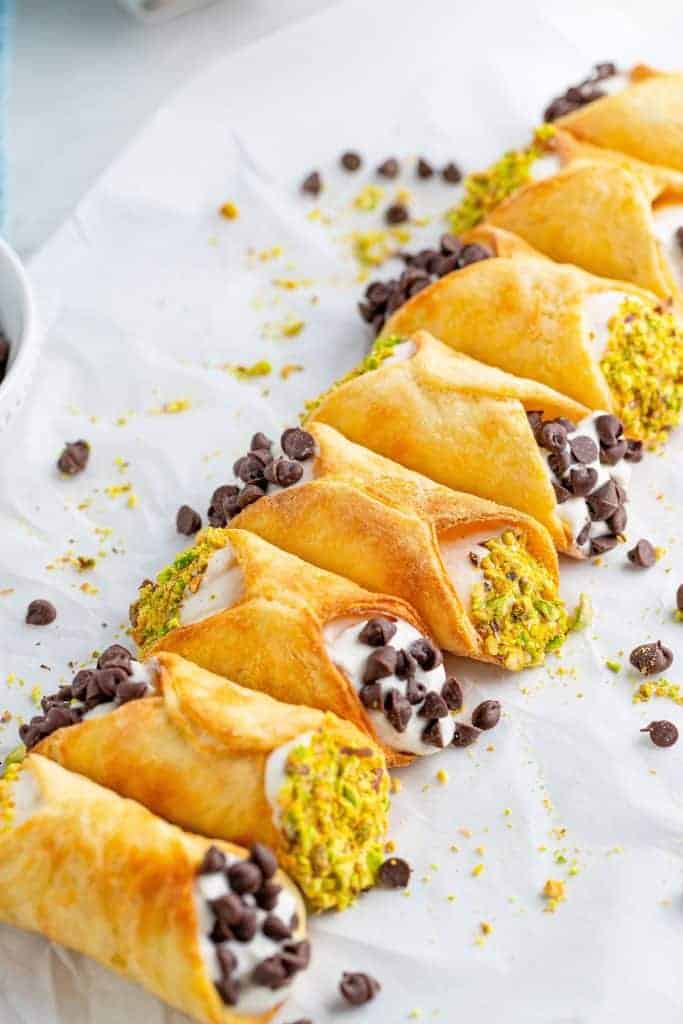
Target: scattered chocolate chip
[
  {"x": 260, "y": 442},
  {"x": 577, "y": 96},
  {"x": 553, "y": 436},
  {"x": 434, "y": 706},
  {"x": 451, "y": 173},
  {"x": 603, "y": 503},
  {"x": 248, "y": 468},
  {"x": 285, "y": 472},
  {"x": 617, "y": 523},
  {"x": 358, "y": 988},
  {"x": 297, "y": 444},
  {"x": 128, "y": 690},
  {"x": 397, "y": 213},
  {"x": 389, "y": 168},
  {"x": 394, "y": 873},
  {"x": 267, "y": 896},
  {"x": 270, "y": 973},
  {"x": 465, "y": 735},
  {"x": 561, "y": 493},
  {"x": 608, "y": 428},
  {"x": 296, "y": 955},
  {"x": 634, "y": 451},
  {"x": 187, "y": 521},
  {"x": 115, "y": 656},
  {"x": 275, "y": 928},
  {"x": 651, "y": 658},
  {"x": 451, "y": 691},
  {"x": 226, "y": 959},
  {"x": 581, "y": 480},
  {"x": 312, "y": 184},
  {"x": 228, "y": 989},
  {"x": 433, "y": 734},
  {"x": 560, "y": 462},
  {"x": 473, "y": 253},
  {"x": 406, "y": 666},
  {"x": 380, "y": 664},
  {"x": 397, "y": 710},
  {"x": 244, "y": 877},
  {"x": 264, "y": 859},
  {"x": 214, "y": 860},
  {"x": 425, "y": 653},
  {"x": 424, "y": 168},
  {"x": 371, "y": 696},
  {"x": 450, "y": 245},
  {"x": 250, "y": 494},
  {"x": 74, "y": 457},
  {"x": 643, "y": 554},
  {"x": 247, "y": 926},
  {"x": 377, "y": 632},
  {"x": 223, "y": 505},
  {"x": 601, "y": 545},
  {"x": 40, "y": 613},
  {"x": 584, "y": 449},
  {"x": 350, "y": 160},
  {"x": 228, "y": 908},
  {"x": 610, "y": 455},
  {"x": 415, "y": 691},
  {"x": 662, "y": 733},
  {"x": 486, "y": 715}
]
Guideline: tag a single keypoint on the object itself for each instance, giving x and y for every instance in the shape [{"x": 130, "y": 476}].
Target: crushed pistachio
[
  {"x": 157, "y": 609},
  {"x": 660, "y": 688},
  {"x": 229, "y": 210},
  {"x": 288, "y": 369},
  {"x": 261, "y": 368},
  {"x": 369, "y": 198},
  {"x": 643, "y": 366},
  {"x": 381, "y": 350},
  {"x": 291, "y": 328},
  {"x": 516, "y": 609},
  {"x": 172, "y": 407},
  {"x": 613, "y": 666},
  {"x": 486, "y": 927},
  {"x": 442, "y": 776},
  {"x": 554, "y": 892},
  {"x": 478, "y": 870},
  {"x": 484, "y": 190},
  {"x": 334, "y": 806},
  {"x": 582, "y": 615},
  {"x": 372, "y": 248}
]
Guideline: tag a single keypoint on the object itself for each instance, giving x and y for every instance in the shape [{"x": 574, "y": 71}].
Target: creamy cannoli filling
[
  {"x": 117, "y": 679},
  {"x": 640, "y": 348},
  {"x": 400, "y": 678},
  {"x": 330, "y": 803},
  {"x": 512, "y": 599},
  {"x": 587, "y": 465},
  {"x": 668, "y": 225},
  {"x": 247, "y": 925}
]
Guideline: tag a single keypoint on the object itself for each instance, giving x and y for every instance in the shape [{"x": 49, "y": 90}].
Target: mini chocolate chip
[
  {"x": 260, "y": 442},
  {"x": 397, "y": 213},
  {"x": 287, "y": 472},
  {"x": 389, "y": 168},
  {"x": 267, "y": 896},
  {"x": 451, "y": 691},
  {"x": 371, "y": 696},
  {"x": 296, "y": 956},
  {"x": 415, "y": 691},
  {"x": 248, "y": 468},
  {"x": 651, "y": 658},
  {"x": 406, "y": 666},
  {"x": 608, "y": 428},
  {"x": 581, "y": 480},
  {"x": 270, "y": 973},
  {"x": 426, "y": 654},
  {"x": 226, "y": 958},
  {"x": 451, "y": 173},
  {"x": 228, "y": 989},
  {"x": 57, "y": 718},
  {"x": 115, "y": 656},
  {"x": 433, "y": 734},
  {"x": 634, "y": 451},
  {"x": 397, "y": 710},
  {"x": 246, "y": 927},
  {"x": 643, "y": 555},
  {"x": 559, "y": 462},
  {"x": 394, "y": 873},
  {"x": 613, "y": 454},
  {"x": 214, "y": 860},
  {"x": 679, "y": 598},
  {"x": 601, "y": 545},
  {"x": 312, "y": 184},
  {"x": 380, "y": 664},
  {"x": 264, "y": 859},
  {"x": 473, "y": 253},
  {"x": 128, "y": 690},
  {"x": 244, "y": 877},
  {"x": 465, "y": 735},
  {"x": 450, "y": 245},
  {"x": 297, "y": 444},
  {"x": 561, "y": 493},
  {"x": 535, "y": 420},
  {"x": 584, "y": 449},
  {"x": 275, "y": 928},
  {"x": 248, "y": 496},
  {"x": 434, "y": 706},
  {"x": 228, "y": 908},
  {"x": 486, "y": 715},
  {"x": 424, "y": 168},
  {"x": 40, "y": 613},
  {"x": 81, "y": 682},
  {"x": 662, "y": 733},
  {"x": 108, "y": 679},
  {"x": 617, "y": 522},
  {"x": 187, "y": 521},
  {"x": 553, "y": 436},
  {"x": 74, "y": 457},
  {"x": 358, "y": 988},
  {"x": 377, "y": 632},
  {"x": 603, "y": 503},
  {"x": 223, "y": 505},
  {"x": 350, "y": 160}
]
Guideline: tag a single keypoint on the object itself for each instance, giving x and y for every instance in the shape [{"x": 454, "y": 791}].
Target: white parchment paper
[{"x": 147, "y": 293}]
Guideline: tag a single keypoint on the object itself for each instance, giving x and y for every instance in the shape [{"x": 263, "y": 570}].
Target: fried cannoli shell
[
  {"x": 458, "y": 421},
  {"x": 105, "y": 877},
  {"x": 521, "y": 312},
  {"x": 372, "y": 520}
]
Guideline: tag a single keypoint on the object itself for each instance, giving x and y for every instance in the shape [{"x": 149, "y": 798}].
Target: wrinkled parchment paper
[{"x": 147, "y": 294}]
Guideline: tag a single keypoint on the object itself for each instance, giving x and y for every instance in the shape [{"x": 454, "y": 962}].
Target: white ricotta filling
[
  {"x": 143, "y": 672},
  {"x": 275, "y": 774},
  {"x": 404, "y": 350},
  {"x": 26, "y": 796},
  {"x": 253, "y": 999},
  {"x": 455, "y": 555},
  {"x": 349, "y": 654},
  {"x": 615, "y": 83},
  {"x": 221, "y": 586},
  {"x": 667, "y": 220},
  {"x": 545, "y": 166}
]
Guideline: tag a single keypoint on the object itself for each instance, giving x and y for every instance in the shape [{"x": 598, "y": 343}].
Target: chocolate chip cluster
[
  {"x": 110, "y": 682},
  {"x": 248, "y": 906},
  {"x": 258, "y": 470},
  {"x": 579, "y": 95},
  {"x": 572, "y": 462},
  {"x": 398, "y": 705},
  {"x": 382, "y": 298}
]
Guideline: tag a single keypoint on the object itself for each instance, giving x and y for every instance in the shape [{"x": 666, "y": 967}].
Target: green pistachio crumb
[
  {"x": 582, "y": 615},
  {"x": 613, "y": 666}
]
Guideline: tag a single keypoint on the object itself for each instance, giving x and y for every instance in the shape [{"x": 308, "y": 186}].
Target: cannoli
[
  {"x": 240, "y": 607},
  {"x": 217, "y": 759},
  {"x": 608, "y": 345},
  {"x": 456, "y": 420},
  {"x": 209, "y": 928},
  {"x": 482, "y": 577},
  {"x": 639, "y": 112}
]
